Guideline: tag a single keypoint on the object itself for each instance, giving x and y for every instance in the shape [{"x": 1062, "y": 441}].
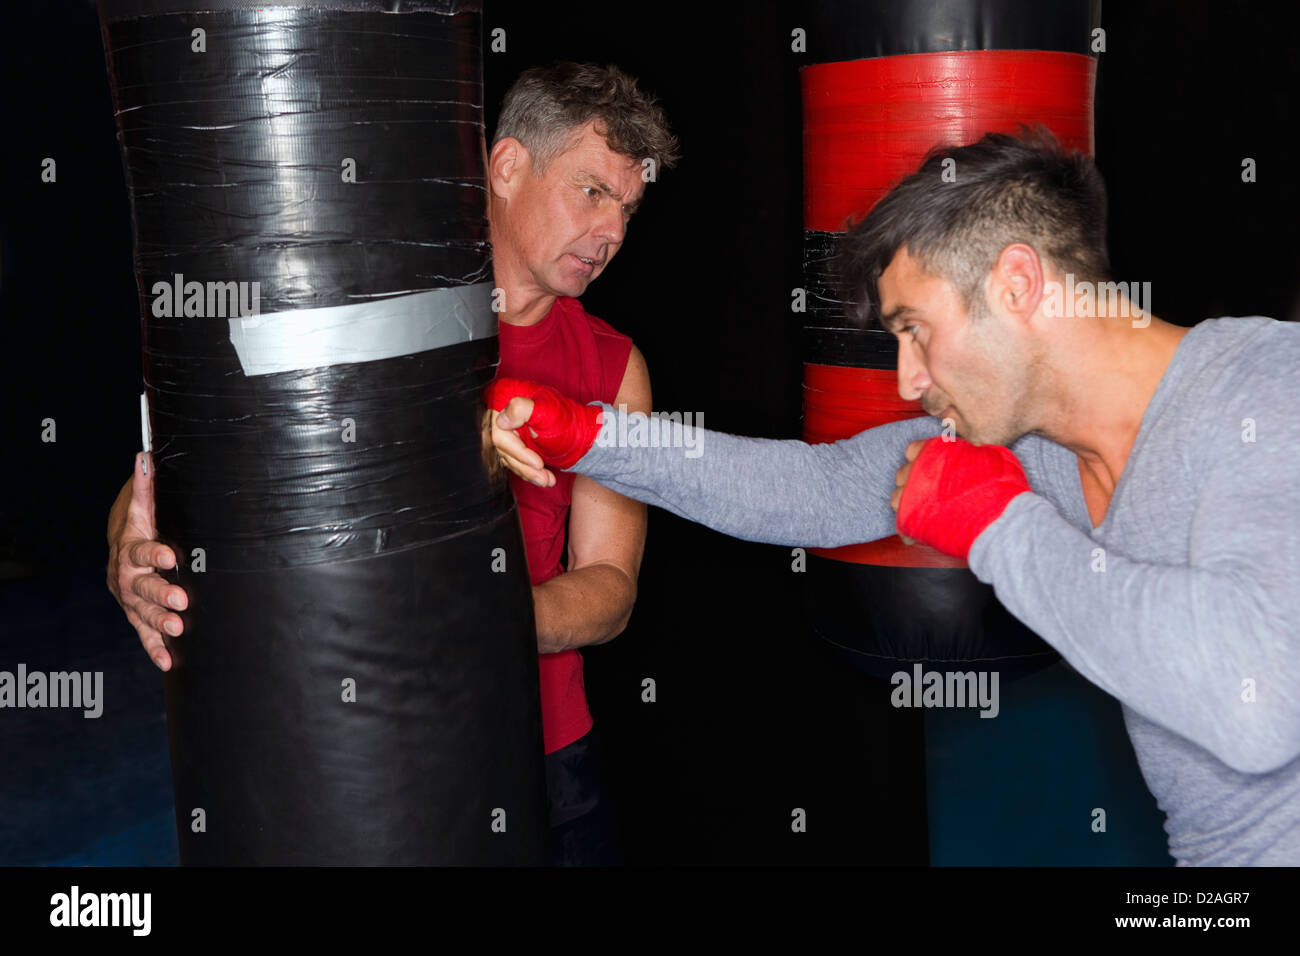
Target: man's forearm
[
  {"x": 776, "y": 492},
  {"x": 1175, "y": 643},
  {"x": 589, "y": 605}
]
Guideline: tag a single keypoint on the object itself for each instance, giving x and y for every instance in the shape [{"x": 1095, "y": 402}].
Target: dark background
[{"x": 753, "y": 718}]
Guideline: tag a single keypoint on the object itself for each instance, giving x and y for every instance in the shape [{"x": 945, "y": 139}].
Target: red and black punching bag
[
  {"x": 889, "y": 82},
  {"x": 357, "y": 679}
]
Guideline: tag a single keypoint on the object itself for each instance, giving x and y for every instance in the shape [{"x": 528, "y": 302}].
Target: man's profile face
[
  {"x": 565, "y": 225},
  {"x": 962, "y": 368}
]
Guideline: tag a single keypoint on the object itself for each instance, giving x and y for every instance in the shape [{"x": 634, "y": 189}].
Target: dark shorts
[{"x": 584, "y": 831}]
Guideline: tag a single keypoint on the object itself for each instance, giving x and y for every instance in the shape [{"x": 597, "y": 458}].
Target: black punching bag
[
  {"x": 357, "y": 680},
  {"x": 889, "y": 82}
]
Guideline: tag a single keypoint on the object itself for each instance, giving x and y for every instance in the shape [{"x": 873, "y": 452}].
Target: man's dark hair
[
  {"x": 1024, "y": 188},
  {"x": 547, "y": 105}
]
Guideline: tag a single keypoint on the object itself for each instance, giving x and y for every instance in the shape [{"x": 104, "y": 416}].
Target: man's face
[
  {"x": 973, "y": 370},
  {"x": 563, "y": 227}
]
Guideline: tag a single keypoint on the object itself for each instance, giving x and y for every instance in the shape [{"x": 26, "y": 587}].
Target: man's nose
[
  {"x": 913, "y": 379},
  {"x": 612, "y": 226}
]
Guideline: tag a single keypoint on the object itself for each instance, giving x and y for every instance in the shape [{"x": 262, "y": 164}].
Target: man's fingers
[
  {"x": 149, "y": 599},
  {"x": 152, "y": 641},
  {"x": 900, "y": 477},
  {"x": 509, "y": 444},
  {"x": 159, "y": 618},
  {"x": 542, "y": 477},
  {"x": 517, "y": 411},
  {"x": 914, "y": 448},
  {"x": 150, "y": 554},
  {"x": 512, "y": 446},
  {"x": 520, "y": 460},
  {"x": 157, "y": 590},
  {"x": 515, "y": 455},
  {"x": 138, "y": 598}
]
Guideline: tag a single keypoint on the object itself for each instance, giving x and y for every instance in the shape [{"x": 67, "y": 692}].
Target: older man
[
  {"x": 574, "y": 148},
  {"x": 1144, "y": 520}
]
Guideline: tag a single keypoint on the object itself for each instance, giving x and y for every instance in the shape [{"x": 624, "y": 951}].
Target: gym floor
[{"x": 755, "y": 717}]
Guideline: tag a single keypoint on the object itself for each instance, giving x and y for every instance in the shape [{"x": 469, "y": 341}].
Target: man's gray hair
[{"x": 547, "y": 105}]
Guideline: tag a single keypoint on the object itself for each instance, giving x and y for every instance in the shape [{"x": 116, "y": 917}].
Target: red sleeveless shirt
[{"x": 585, "y": 359}]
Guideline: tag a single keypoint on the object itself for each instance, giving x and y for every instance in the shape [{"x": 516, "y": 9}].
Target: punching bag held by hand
[{"x": 357, "y": 679}]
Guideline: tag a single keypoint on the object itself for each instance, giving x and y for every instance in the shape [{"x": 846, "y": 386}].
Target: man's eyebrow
[
  {"x": 605, "y": 187},
  {"x": 890, "y": 319}
]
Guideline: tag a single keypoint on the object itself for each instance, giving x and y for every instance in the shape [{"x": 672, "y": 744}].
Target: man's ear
[
  {"x": 507, "y": 160},
  {"x": 1016, "y": 283}
]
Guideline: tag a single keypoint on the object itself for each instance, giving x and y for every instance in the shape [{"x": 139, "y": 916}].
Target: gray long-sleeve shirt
[{"x": 1184, "y": 603}]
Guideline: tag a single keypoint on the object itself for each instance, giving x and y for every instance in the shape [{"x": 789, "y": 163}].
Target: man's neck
[
  {"x": 533, "y": 306},
  {"x": 1107, "y": 377},
  {"x": 522, "y": 303}
]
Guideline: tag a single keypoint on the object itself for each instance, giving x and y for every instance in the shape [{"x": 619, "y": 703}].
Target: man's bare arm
[{"x": 592, "y": 602}]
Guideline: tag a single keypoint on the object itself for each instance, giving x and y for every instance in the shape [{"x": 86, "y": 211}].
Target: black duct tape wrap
[
  {"x": 827, "y": 340},
  {"x": 357, "y": 681},
  {"x": 857, "y": 29}
]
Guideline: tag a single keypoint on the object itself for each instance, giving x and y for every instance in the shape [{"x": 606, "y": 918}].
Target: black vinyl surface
[
  {"x": 858, "y": 29},
  {"x": 886, "y": 619},
  {"x": 357, "y": 681},
  {"x": 236, "y": 155},
  {"x": 441, "y": 734}
]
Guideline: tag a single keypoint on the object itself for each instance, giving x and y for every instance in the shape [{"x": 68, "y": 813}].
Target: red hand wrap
[
  {"x": 564, "y": 429},
  {"x": 955, "y": 490}
]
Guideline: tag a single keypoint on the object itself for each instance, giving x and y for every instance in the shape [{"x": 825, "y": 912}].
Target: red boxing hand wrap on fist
[
  {"x": 564, "y": 429},
  {"x": 955, "y": 490}
]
